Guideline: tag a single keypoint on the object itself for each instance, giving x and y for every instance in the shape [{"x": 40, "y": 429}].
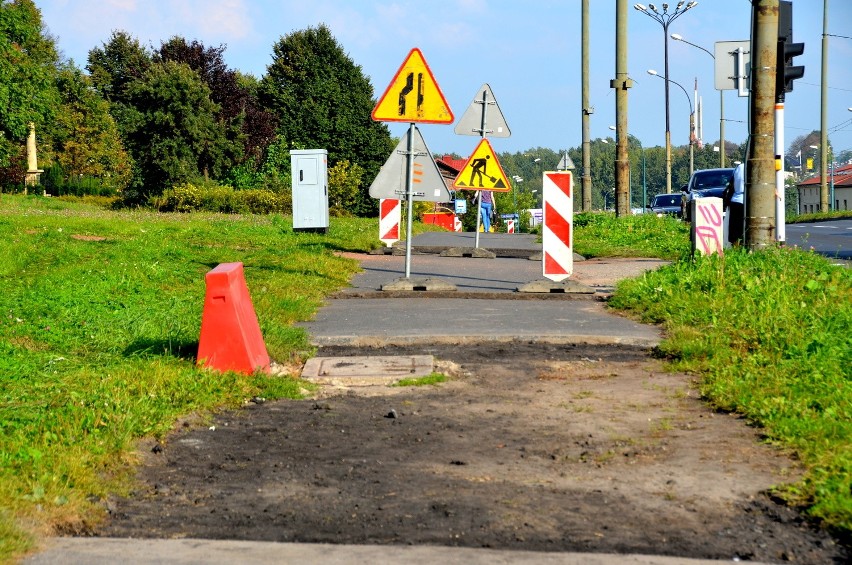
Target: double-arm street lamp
[
  {"x": 652, "y": 72},
  {"x": 665, "y": 18},
  {"x": 678, "y": 37}
]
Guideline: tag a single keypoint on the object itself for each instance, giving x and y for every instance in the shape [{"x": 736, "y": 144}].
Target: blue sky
[{"x": 528, "y": 51}]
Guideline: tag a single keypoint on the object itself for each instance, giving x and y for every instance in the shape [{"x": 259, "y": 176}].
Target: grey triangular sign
[
  {"x": 565, "y": 163},
  {"x": 429, "y": 185},
  {"x": 471, "y": 122}
]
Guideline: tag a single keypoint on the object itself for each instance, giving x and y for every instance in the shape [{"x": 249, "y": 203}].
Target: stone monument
[{"x": 33, "y": 172}]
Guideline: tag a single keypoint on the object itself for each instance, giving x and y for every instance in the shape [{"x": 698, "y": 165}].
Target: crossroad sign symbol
[
  {"x": 428, "y": 184},
  {"x": 413, "y": 96},
  {"x": 565, "y": 163},
  {"x": 483, "y": 171}
]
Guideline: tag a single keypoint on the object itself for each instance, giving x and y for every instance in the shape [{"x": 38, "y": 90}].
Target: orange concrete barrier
[
  {"x": 443, "y": 219},
  {"x": 230, "y": 335}
]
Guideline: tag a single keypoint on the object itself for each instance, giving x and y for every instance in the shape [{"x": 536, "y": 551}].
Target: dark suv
[
  {"x": 664, "y": 204},
  {"x": 704, "y": 184}
]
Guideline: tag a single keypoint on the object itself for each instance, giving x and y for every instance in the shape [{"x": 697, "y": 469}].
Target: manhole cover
[{"x": 367, "y": 370}]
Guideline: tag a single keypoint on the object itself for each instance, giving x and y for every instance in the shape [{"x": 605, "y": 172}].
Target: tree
[
  {"x": 84, "y": 138},
  {"x": 236, "y": 95},
  {"x": 175, "y": 136},
  {"x": 121, "y": 61},
  {"x": 28, "y": 63},
  {"x": 323, "y": 100}
]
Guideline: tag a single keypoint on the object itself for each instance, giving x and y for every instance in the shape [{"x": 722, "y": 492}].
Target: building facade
[{"x": 809, "y": 190}]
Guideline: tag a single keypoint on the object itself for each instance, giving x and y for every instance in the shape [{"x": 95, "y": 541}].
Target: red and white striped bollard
[
  {"x": 557, "y": 228},
  {"x": 390, "y": 214}
]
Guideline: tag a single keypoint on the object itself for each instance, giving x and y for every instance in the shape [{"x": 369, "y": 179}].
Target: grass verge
[
  {"x": 643, "y": 235},
  {"x": 770, "y": 334},
  {"x": 819, "y": 216},
  {"x": 428, "y": 380},
  {"x": 99, "y": 321}
]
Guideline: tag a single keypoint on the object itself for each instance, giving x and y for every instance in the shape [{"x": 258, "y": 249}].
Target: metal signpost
[
  {"x": 475, "y": 122},
  {"x": 413, "y": 96}
]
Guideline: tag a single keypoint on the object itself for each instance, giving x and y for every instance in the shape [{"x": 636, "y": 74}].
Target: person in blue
[{"x": 486, "y": 205}]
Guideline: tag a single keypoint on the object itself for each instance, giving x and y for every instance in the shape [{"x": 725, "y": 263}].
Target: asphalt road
[{"x": 832, "y": 238}]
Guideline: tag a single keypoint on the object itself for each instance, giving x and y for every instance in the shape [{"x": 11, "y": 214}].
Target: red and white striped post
[
  {"x": 457, "y": 224},
  {"x": 558, "y": 232},
  {"x": 510, "y": 226},
  {"x": 390, "y": 214}
]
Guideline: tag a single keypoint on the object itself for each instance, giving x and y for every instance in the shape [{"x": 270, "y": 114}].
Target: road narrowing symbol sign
[
  {"x": 483, "y": 171},
  {"x": 413, "y": 95}
]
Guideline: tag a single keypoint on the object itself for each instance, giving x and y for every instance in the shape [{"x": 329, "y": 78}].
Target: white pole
[{"x": 780, "y": 226}]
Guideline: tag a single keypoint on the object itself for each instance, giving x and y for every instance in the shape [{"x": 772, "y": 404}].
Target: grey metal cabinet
[{"x": 309, "y": 168}]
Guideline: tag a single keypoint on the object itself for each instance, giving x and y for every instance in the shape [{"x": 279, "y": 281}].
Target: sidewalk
[
  {"x": 108, "y": 551},
  {"x": 486, "y": 307}
]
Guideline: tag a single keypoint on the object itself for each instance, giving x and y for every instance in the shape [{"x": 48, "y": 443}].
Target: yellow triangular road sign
[
  {"x": 483, "y": 171},
  {"x": 413, "y": 95}
]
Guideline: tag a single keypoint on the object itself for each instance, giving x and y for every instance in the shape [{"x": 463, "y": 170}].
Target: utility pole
[
  {"x": 621, "y": 84},
  {"x": 760, "y": 168},
  {"x": 587, "y": 112},
  {"x": 823, "y": 99}
]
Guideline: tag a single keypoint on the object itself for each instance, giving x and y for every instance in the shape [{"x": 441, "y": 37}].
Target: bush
[
  {"x": 189, "y": 197},
  {"x": 343, "y": 182},
  {"x": 55, "y": 182}
]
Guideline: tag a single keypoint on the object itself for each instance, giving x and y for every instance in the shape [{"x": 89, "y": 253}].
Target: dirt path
[{"x": 528, "y": 447}]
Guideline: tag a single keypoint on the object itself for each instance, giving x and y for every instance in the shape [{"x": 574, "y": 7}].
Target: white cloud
[
  {"x": 224, "y": 19},
  {"x": 126, "y": 5}
]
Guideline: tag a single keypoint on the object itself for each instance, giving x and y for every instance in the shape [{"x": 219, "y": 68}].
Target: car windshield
[
  {"x": 710, "y": 179},
  {"x": 717, "y": 192},
  {"x": 667, "y": 200}
]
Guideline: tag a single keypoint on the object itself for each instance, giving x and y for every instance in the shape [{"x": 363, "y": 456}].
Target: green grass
[
  {"x": 770, "y": 334},
  {"x": 99, "y": 321},
  {"x": 433, "y": 379},
  {"x": 819, "y": 216},
  {"x": 642, "y": 235}
]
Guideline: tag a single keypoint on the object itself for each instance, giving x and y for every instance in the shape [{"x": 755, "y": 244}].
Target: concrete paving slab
[
  {"x": 419, "y": 284},
  {"x": 367, "y": 370},
  {"x": 547, "y": 286},
  {"x": 471, "y": 252}
]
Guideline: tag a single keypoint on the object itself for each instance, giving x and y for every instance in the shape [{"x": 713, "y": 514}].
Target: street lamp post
[
  {"x": 678, "y": 37},
  {"x": 665, "y": 18},
  {"x": 652, "y": 72},
  {"x": 518, "y": 180}
]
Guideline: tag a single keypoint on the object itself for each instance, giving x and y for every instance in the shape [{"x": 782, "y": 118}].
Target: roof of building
[
  {"x": 842, "y": 177},
  {"x": 450, "y": 162}
]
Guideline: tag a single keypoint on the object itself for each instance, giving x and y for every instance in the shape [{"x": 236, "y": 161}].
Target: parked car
[
  {"x": 704, "y": 184},
  {"x": 666, "y": 204}
]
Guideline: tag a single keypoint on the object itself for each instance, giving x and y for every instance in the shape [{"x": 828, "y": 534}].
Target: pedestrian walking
[{"x": 486, "y": 205}]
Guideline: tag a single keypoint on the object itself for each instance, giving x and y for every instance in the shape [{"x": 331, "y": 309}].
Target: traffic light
[{"x": 785, "y": 71}]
